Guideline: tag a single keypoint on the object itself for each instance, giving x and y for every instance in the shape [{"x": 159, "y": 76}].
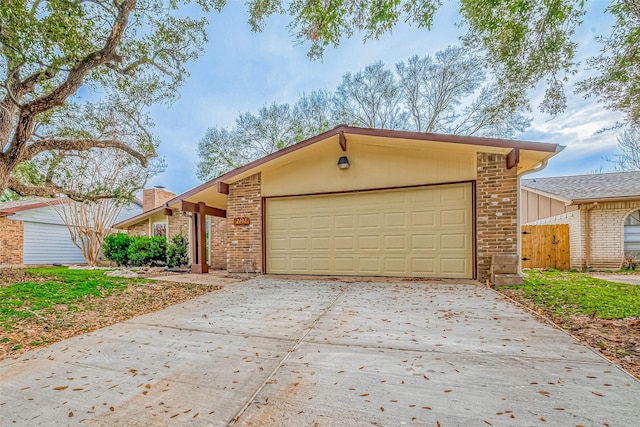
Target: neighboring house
[
  {"x": 371, "y": 202},
  {"x": 602, "y": 211},
  {"x": 32, "y": 232}
]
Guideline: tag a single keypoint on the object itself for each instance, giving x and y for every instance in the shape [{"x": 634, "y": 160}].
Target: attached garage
[
  {"x": 417, "y": 231},
  {"x": 367, "y": 202}
]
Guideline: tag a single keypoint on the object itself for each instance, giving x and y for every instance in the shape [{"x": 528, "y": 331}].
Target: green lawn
[
  {"x": 564, "y": 293},
  {"x": 61, "y": 286}
]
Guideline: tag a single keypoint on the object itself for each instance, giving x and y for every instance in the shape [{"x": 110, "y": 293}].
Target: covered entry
[{"x": 416, "y": 231}]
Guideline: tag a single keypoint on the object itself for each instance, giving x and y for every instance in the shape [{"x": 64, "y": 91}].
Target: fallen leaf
[
  {"x": 428, "y": 408},
  {"x": 70, "y": 414},
  {"x": 111, "y": 408},
  {"x": 148, "y": 386},
  {"x": 544, "y": 393},
  {"x": 597, "y": 394},
  {"x": 425, "y": 377},
  {"x": 381, "y": 409},
  {"x": 361, "y": 368},
  {"x": 174, "y": 415},
  {"x": 559, "y": 409},
  {"x": 487, "y": 422},
  {"x": 447, "y": 391},
  {"x": 62, "y": 387},
  {"x": 364, "y": 394},
  {"x": 77, "y": 389},
  {"x": 543, "y": 420},
  {"x": 196, "y": 415}
]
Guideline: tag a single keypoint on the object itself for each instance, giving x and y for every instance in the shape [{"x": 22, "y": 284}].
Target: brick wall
[
  {"x": 178, "y": 223},
  {"x": 245, "y": 241},
  {"x": 11, "y": 241},
  {"x": 139, "y": 229},
  {"x": 496, "y": 210},
  {"x": 218, "y": 243}
]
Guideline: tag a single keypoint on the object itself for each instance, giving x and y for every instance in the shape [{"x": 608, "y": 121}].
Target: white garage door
[
  {"x": 48, "y": 244},
  {"x": 421, "y": 232}
]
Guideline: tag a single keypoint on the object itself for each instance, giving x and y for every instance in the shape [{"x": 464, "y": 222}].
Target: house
[
  {"x": 32, "y": 232},
  {"x": 602, "y": 211},
  {"x": 356, "y": 201}
]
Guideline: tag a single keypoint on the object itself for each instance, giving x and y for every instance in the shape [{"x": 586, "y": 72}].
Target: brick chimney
[{"x": 154, "y": 197}]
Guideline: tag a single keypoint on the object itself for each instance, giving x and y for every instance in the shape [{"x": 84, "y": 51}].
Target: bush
[
  {"x": 147, "y": 251},
  {"x": 177, "y": 255},
  {"x": 115, "y": 248}
]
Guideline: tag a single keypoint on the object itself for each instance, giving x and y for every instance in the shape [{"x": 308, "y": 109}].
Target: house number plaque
[{"x": 243, "y": 220}]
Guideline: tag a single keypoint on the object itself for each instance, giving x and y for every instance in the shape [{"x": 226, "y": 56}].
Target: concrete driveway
[{"x": 325, "y": 353}]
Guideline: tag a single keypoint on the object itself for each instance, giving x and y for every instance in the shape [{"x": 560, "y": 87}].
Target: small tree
[{"x": 177, "y": 255}]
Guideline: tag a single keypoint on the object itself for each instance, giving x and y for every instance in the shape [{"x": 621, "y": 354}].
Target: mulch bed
[{"x": 617, "y": 340}]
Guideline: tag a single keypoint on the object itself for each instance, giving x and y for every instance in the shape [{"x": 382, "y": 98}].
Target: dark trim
[
  {"x": 343, "y": 141},
  {"x": 201, "y": 208},
  {"x": 263, "y": 209},
  {"x": 474, "y": 265},
  {"x": 382, "y": 133},
  {"x": 371, "y": 189},
  {"x": 140, "y": 217},
  {"x": 223, "y": 187},
  {"x": 475, "y": 228},
  {"x": 167, "y": 211},
  {"x": 513, "y": 158}
]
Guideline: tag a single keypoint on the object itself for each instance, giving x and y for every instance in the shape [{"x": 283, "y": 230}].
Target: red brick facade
[
  {"x": 11, "y": 241},
  {"x": 245, "y": 241},
  {"x": 496, "y": 210}
]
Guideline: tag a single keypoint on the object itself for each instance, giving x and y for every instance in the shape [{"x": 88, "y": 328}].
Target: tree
[
  {"x": 89, "y": 173},
  {"x": 370, "y": 98},
  {"x": 447, "y": 94},
  {"x": 629, "y": 144},
  {"x": 133, "y": 51},
  {"x": 525, "y": 42},
  {"x": 253, "y": 136}
]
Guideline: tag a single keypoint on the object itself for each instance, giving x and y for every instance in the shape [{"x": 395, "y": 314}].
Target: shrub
[
  {"x": 177, "y": 255},
  {"x": 115, "y": 248},
  {"x": 147, "y": 251}
]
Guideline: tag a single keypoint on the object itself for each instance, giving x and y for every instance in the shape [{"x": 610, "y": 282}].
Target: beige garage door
[{"x": 421, "y": 232}]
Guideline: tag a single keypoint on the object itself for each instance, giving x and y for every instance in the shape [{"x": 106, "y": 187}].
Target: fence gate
[{"x": 545, "y": 246}]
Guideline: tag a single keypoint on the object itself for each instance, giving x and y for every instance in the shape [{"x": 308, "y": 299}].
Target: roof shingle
[{"x": 588, "y": 187}]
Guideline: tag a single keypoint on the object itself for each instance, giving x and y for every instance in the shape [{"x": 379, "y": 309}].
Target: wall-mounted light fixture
[{"x": 343, "y": 162}]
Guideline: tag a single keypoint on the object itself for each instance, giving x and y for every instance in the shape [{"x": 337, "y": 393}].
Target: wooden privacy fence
[{"x": 545, "y": 246}]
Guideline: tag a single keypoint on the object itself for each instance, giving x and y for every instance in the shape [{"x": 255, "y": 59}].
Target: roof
[
  {"x": 530, "y": 155},
  {"x": 10, "y": 208},
  {"x": 24, "y": 204},
  {"x": 585, "y": 188}
]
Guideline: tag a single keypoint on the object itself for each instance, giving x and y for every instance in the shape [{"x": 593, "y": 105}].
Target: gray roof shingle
[{"x": 588, "y": 187}]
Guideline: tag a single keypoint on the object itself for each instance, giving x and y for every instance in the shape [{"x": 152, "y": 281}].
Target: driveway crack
[{"x": 295, "y": 346}]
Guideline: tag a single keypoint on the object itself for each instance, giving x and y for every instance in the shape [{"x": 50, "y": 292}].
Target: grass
[
  {"x": 60, "y": 286},
  {"x": 564, "y": 293}
]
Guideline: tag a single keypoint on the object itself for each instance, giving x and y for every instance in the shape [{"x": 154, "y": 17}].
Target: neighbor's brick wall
[
  {"x": 11, "y": 241},
  {"x": 139, "y": 229},
  {"x": 219, "y": 243},
  {"x": 245, "y": 242},
  {"x": 496, "y": 210},
  {"x": 607, "y": 233}
]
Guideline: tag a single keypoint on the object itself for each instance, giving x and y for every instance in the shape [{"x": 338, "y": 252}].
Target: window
[
  {"x": 160, "y": 229},
  {"x": 632, "y": 234}
]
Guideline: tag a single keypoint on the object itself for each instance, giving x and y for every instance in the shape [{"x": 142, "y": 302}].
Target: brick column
[
  {"x": 245, "y": 241},
  {"x": 218, "y": 243},
  {"x": 496, "y": 210},
  {"x": 11, "y": 241}
]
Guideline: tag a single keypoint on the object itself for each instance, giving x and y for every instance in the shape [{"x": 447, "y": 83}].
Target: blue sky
[{"x": 241, "y": 71}]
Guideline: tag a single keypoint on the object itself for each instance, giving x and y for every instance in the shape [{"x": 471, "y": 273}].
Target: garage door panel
[
  {"x": 424, "y": 231},
  {"x": 453, "y": 217},
  {"x": 369, "y": 243}
]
